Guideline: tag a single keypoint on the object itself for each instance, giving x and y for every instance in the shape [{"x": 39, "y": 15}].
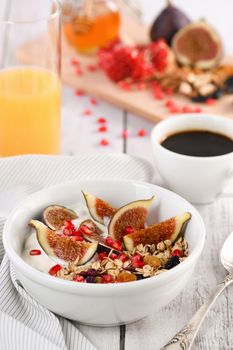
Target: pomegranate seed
[
  {"x": 122, "y": 257},
  {"x": 128, "y": 230},
  {"x": 109, "y": 240},
  {"x": 74, "y": 62},
  {"x": 79, "y": 238},
  {"x": 197, "y": 110},
  {"x": 141, "y": 86},
  {"x": 79, "y": 279},
  {"x": 175, "y": 109},
  {"x": 54, "y": 269},
  {"x": 104, "y": 142},
  {"x": 93, "y": 101},
  {"x": 101, "y": 120},
  {"x": 35, "y": 252},
  {"x": 79, "y": 72},
  {"x": 79, "y": 92},
  {"x": 137, "y": 261},
  {"x": 102, "y": 255},
  {"x": 69, "y": 228},
  {"x": 92, "y": 67},
  {"x": 125, "y": 134},
  {"x": 170, "y": 103},
  {"x": 210, "y": 102},
  {"x": 87, "y": 111},
  {"x": 186, "y": 109},
  {"x": 114, "y": 256},
  {"x": 159, "y": 95},
  {"x": 85, "y": 229},
  {"x": 102, "y": 128},
  {"x": 124, "y": 85},
  {"x": 116, "y": 245},
  {"x": 176, "y": 252},
  {"x": 69, "y": 224},
  {"x": 141, "y": 132},
  {"x": 68, "y": 232},
  {"x": 107, "y": 278}
]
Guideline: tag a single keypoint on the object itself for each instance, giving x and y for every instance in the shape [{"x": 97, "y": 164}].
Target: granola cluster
[{"x": 143, "y": 262}]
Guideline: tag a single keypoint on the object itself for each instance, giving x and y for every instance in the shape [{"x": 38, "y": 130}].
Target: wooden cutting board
[{"x": 97, "y": 84}]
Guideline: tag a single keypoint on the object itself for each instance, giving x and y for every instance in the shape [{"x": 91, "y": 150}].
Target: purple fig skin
[{"x": 168, "y": 23}]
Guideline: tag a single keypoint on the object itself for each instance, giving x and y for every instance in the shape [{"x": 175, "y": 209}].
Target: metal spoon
[{"x": 184, "y": 339}]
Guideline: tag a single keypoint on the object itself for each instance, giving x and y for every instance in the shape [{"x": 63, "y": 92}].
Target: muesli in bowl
[{"x": 97, "y": 243}]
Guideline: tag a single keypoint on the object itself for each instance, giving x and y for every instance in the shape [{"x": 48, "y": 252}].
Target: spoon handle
[{"x": 183, "y": 340}]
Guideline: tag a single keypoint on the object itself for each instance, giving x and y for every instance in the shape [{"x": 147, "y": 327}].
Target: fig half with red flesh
[
  {"x": 98, "y": 208},
  {"x": 167, "y": 230},
  {"x": 131, "y": 215},
  {"x": 198, "y": 45},
  {"x": 55, "y": 216},
  {"x": 63, "y": 247}
]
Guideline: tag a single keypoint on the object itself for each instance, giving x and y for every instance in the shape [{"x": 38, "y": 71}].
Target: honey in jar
[{"x": 90, "y": 24}]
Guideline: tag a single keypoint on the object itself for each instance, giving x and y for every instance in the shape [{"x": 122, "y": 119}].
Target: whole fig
[{"x": 168, "y": 22}]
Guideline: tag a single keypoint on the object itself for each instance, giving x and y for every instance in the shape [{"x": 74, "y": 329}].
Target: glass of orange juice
[{"x": 29, "y": 77}]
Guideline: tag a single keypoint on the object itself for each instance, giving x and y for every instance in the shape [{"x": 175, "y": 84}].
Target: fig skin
[
  {"x": 198, "y": 45},
  {"x": 168, "y": 23}
]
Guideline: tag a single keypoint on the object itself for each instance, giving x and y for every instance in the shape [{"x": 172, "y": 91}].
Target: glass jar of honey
[{"x": 90, "y": 24}]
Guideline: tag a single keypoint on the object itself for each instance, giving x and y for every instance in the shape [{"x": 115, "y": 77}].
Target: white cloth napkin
[{"x": 24, "y": 323}]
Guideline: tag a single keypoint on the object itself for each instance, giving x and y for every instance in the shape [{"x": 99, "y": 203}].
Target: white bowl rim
[
  {"x": 181, "y": 117},
  {"x": 89, "y": 288}
]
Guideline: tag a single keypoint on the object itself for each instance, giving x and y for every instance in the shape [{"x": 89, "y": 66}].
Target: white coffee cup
[{"x": 198, "y": 179}]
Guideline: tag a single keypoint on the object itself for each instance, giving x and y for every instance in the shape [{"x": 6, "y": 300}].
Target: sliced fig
[
  {"x": 168, "y": 22},
  {"x": 63, "y": 247},
  {"x": 91, "y": 232},
  {"x": 55, "y": 216},
  {"x": 168, "y": 229},
  {"x": 198, "y": 45},
  {"x": 131, "y": 215},
  {"x": 98, "y": 208}
]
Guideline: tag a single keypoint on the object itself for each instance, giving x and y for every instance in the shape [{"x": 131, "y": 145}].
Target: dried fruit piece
[
  {"x": 168, "y": 22},
  {"x": 172, "y": 262},
  {"x": 133, "y": 214},
  {"x": 198, "y": 44},
  {"x": 65, "y": 248},
  {"x": 98, "y": 208},
  {"x": 169, "y": 229},
  {"x": 55, "y": 216},
  {"x": 152, "y": 261},
  {"x": 125, "y": 276}
]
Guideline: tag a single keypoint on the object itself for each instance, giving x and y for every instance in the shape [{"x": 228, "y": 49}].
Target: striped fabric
[{"x": 24, "y": 323}]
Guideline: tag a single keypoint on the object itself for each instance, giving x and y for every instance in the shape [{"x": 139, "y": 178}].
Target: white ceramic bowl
[{"x": 103, "y": 304}]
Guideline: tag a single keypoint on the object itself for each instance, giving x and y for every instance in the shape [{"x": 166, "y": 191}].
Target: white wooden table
[{"x": 80, "y": 136}]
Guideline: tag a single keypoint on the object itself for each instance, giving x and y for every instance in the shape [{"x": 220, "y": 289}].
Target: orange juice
[{"x": 29, "y": 111}]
